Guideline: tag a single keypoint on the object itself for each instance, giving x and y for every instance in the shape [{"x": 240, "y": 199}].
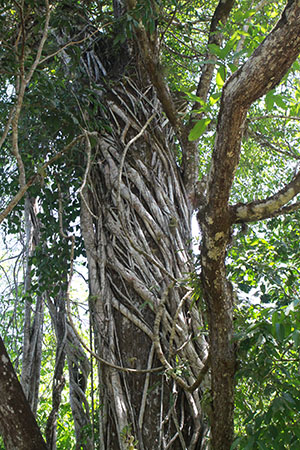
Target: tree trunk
[
  {"x": 68, "y": 346},
  {"x": 137, "y": 230},
  {"x": 18, "y": 427},
  {"x": 33, "y": 321},
  {"x": 79, "y": 369}
]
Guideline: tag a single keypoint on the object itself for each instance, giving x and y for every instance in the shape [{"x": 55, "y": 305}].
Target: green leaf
[
  {"x": 221, "y": 76},
  {"x": 279, "y": 101},
  {"x": 232, "y": 67},
  {"x": 216, "y": 50},
  {"x": 269, "y": 100},
  {"x": 280, "y": 331},
  {"x": 244, "y": 287},
  {"x": 214, "y": 98},
  {"x": 288, "y": 398},
  {"x": 262, "y": 446},
  {"x": 250, "y": 443},
  {"x": 194, "y": 98},
  {"x": 272, "y": 98},
  {"x": 198, "y": 129}
]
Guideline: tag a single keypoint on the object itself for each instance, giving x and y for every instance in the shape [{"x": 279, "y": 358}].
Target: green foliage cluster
[
  {"x": 268, "y": 379},
  {"x": 264, "y": 268}
]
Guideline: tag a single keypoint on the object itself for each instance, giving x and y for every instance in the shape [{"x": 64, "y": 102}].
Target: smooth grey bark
[
  {"x": 69, "y": 349},
  {"x": 58, "y": 316},
  {"x": 33, "y": 314},
  {"x": 79, "y": 370}
]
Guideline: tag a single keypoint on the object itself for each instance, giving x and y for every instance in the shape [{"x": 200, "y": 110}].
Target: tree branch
[
  {"x": 190, "y": 150},
  {"x": 221, "y": 15},
  {"x": 261, "y": 72},
  {"x": 269, "y": 207},
  {"x": 264, "y": 141}
]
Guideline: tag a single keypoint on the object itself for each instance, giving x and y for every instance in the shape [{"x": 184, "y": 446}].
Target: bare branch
[
  {"x": 263, "y": 140},
  {"x": 135, "y": 138},
  {"x": 156, "y": 340},
  {"x": 149, "y": 48},
  {"x": 270, "y": 207},
  {"x": 221, "y": 15},
  {"x": 273, "y": 116},
  {"x": 68, "y": 44},
  {"x": 24, "y": 80},
  {"x": 87, "y": 171},
  {"x": 103, "y": 361},
  {"x": 7, "y": 126}
]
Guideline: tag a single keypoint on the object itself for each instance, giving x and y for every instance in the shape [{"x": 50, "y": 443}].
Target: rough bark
[
  {"x": 136, "y": 226},
  {"x": 263, "y": 70},
  {"x": 18, "y": 427}
]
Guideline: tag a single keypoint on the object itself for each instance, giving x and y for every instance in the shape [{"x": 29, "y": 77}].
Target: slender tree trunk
[
  {"x": 68, "y": 347},
  {"x": 33, "y": 323},
  {"x": 58, "y": 316},
  {"x": 79, "y": 369},
  {"x": 218, "y": 294}
]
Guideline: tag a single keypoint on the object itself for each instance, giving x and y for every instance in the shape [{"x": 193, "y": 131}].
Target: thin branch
[
  {"x": 221, "y": 15},
  {"x": 273, "y": 116},
  {"x": 156, "y": 340},
  {"x": 61, "y": 49},
  {"x": 173, "y": 330},
  {"x": 87, "y": 171},
  {"x": 163, "y": 359},
  {"x": 103, "y": 361},
  {"x": 167, "y": 26},
  {"x": 149, "y": 52},
  {"x": 146, "y": 389},
  {"x": 201, "y": 375},
  {"x": 41, "y": 45},
  {"x": 269, "y": 207},
  {"x": 192, "y": 49},
  {"x": 268, "y": 144},
  {"x": 181, "y": 55},
  {"x": 7, "y": 126},
  {"x": 21, "y": 92},
  {"x": 190, "y": 159}
]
